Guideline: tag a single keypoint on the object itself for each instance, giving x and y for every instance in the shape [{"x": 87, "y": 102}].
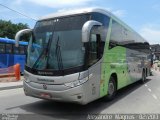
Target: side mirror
[
  {"x": 21, "y": 33},
  {"x": 87, "y": 28}
]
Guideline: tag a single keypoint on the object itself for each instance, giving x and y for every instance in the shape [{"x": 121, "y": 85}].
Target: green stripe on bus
[{"x": 114, "y": 61}]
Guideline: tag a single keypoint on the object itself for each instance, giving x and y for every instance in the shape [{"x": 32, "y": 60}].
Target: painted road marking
[
  {"x": 149, "y": 90},
  {"x": 154, "y": 96},
  {"x": 146, "y": 85}
]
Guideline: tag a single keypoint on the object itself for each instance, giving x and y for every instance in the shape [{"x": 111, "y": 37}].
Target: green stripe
[
  {"x": 104, "y": 77},
  {"x": 114, "y": 61}
]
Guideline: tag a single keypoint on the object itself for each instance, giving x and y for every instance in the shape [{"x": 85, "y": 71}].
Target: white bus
[{"x": 82, "y": 55}]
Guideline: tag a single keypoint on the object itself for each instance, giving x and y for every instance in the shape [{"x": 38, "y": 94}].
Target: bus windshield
[{"x": 56, "y": 44}]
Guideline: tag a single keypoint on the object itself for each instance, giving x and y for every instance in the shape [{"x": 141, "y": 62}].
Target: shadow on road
[{"x": 61, "y": 110}]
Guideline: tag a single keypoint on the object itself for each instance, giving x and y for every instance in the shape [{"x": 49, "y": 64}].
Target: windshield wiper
[
  {"x": 44, "y": 52},
  {"x": 59, "y": 56}
]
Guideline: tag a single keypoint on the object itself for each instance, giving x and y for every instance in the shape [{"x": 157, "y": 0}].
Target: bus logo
[{"x": 44, "y": 86}]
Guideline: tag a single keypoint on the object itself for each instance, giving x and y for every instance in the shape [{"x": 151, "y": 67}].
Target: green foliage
[{"x": 9, "y": 29}]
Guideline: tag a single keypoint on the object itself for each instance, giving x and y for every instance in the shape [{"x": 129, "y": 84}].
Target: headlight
[{"x": 76, "y": 83}]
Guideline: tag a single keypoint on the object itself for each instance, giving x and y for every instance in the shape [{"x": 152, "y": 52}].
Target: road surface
[{"x": 135, "y": 99}]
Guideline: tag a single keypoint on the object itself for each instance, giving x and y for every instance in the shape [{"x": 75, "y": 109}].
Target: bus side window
[
  {"x": 2, "y": 48},
  {"x": 21, "y": 50},
  {"x": 116, "y": 37},
  {"x": 25, "y": 49},
  {"x": 9, "y": 48},
  {"x": 16, "y": 50}
]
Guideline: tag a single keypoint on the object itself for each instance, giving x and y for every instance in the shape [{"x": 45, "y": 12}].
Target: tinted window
[
  {"x": 71, "y": 23},
  {"x": 25, "y": 49},
  {"x": 101, "y": 18},
  {"x": 16, "y": 50},
  {"x": 93, "y": 49},
  {"x": 9, "y": 48},
  {"x": 96, "y": 46},
  {"x": 116, "y": 35},
  {"x": 104, "y": 20},
  {"x": 120, "y": 36},
  {"x": 134, "y": 41},
  {"x": 63, "y": 37},
  {"x": 21, "y": 50},
  {"x": 2, "y": 48}
]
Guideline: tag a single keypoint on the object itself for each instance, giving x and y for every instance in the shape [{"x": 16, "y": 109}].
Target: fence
[{"x": 12, "y": 71}]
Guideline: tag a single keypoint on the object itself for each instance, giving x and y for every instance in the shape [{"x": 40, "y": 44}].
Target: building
[{"x": 155, "y": 51}]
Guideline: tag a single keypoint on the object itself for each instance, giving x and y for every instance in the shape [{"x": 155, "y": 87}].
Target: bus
[
  {"x": 82, "y": 55},
  {"x": 11, "y": 55}
]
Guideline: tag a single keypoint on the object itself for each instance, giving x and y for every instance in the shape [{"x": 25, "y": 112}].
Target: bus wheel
[
  {"x": 112, "y": 89},
  {"x": 143, "y": 77}
]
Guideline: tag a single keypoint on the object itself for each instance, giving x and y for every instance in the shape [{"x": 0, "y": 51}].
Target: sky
[{"x": 141, "y": 15}]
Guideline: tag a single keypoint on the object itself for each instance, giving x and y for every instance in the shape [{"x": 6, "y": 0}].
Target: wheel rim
[
  {"x": 143, "y": 76},
  {"x": 111, "y": 88}
]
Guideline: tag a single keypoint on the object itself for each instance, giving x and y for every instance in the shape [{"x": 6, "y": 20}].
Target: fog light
[{"x": 79, "y": 97}]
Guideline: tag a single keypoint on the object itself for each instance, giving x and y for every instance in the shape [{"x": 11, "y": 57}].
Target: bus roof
[
  {"x": 7, "y": 40},
  {"x": 83, "y": 11},
  {"x": 75, "y": 12},
  {"x": 89, "y": 10}
]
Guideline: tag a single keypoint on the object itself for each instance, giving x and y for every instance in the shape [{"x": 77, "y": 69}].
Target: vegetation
[{"x": 9, "y": 29}]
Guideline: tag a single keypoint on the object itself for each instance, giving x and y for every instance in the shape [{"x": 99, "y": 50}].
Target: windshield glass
[{"x": 56, "y": 44}]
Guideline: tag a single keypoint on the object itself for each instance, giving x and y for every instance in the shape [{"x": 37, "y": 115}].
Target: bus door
[{"x": 94, "y": 61}]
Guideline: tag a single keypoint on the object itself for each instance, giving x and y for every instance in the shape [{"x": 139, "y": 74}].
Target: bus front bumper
[{"x": 75, "y": 94}]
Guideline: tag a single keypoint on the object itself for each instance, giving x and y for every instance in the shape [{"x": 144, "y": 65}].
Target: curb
[{"x": 11, "y": 87}]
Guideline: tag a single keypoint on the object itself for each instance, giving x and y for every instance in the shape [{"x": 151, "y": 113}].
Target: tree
[{"x": 9, "y": 29}]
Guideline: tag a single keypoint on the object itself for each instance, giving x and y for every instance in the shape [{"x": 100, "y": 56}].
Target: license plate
[{"x": 45, "y": 95}]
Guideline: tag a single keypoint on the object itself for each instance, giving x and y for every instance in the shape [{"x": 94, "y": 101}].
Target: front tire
[
  {"x": 143, "y": 76},
  {"x": 112, "y": 89}
]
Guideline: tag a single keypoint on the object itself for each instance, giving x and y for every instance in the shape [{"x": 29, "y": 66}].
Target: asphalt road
[{"x": 136, "y": 98}]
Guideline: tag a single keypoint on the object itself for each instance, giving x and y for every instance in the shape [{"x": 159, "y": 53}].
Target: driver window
[{"x": 94, "y": 49}]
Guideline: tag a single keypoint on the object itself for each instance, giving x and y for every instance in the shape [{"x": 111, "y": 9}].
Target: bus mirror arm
[
  {"x": 19, "y": 34},
  {"x": 87, "y": 28}
]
